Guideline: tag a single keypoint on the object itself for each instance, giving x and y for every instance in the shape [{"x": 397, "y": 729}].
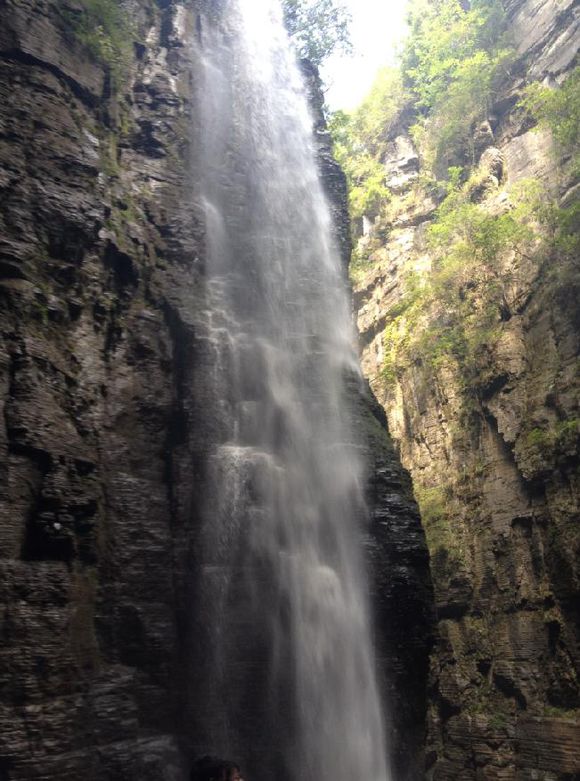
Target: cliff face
[
  {"x": 100, "y": 269},
  {"x": 103, "y": 382},
  {"x": 494, "y": 458}
]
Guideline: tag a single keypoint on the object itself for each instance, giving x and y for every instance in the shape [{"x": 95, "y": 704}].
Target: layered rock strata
[
  {"x": 494, "y": 462},
  {"x": 101, "y": 257},
  {"x": 105, "y": 362}
]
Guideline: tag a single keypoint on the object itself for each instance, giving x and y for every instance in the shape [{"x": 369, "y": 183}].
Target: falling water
[{"x": 290, "y": 684}]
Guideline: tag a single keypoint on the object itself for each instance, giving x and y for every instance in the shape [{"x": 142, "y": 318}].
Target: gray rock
[
  {"x": 103, "y": 391},
  {"x": 494, "y": 454},
  {"x": 401, "y": 164}
]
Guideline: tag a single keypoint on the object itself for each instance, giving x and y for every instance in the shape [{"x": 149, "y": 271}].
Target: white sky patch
[{"x": 377, "y": 30}]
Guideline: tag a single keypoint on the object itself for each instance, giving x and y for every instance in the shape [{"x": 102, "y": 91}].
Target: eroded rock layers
[
  {"x": 103, "y": 385},
  {"x": 493, "y": 454},
  {"x": 98, "y": 263}
]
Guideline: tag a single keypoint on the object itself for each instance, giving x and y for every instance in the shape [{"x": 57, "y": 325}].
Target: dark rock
[
  {"x": 401, "y": 589},
  {"x": 92, "y": 537},
  {"x": 103, "y": 390}
]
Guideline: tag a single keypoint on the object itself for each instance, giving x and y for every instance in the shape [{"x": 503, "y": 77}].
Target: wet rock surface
[
  {"x": 402, "y": 593},
  {"x": 95, "y": 255},
  {"x": 103, "y": 386},
  {"x": 400, "y": 579}
]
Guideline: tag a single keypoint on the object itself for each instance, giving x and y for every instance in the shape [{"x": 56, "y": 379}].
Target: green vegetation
[
  {"x": 39, "y": 310},
  {"x": 437, "y": 513},
  {"x": 103, "y": 28},
  {"x": 455, "y": 312},
  {"x": 317, "y": 27},
  {"x": 451, "y": 314},
  {"x": 109, "y": 154},
  {"x": 369, "y": 125},
  {"x": 445, "y": 35},
  {"x": 559, "y": 110},
  {"x": 542, "y": 447},
  {"x": 485, "y": 242},
  {"x": 434, "y": 506},
  {"x": 450, "y": 67},
  {"x": 433, "y": 503},
  {"x": 452, "y": 62},
  {"x": 570, "y": 714},
  {"x": 537, "y": 437},
  {"x": 498, "y": 720},
  {"x": 567, "y": 433},
  {"x": 359, "y": 143},
  {"x": 560, "y": 437},
  {"x": 467, "y": 281},
  {"x": 123, "y": 213},
  {"x": 565, "y": 225}
]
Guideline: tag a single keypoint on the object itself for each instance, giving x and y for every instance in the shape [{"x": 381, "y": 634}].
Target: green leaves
[
  {"x": 454, "y": 312},
  {"x": 102, "y": 27},
  {"x": 450, "y": 64},
  {"x": 360, "y": 142},
  {"x": 317, "y": 27},
  {"x": 372, "y": 120},
  {"x": 559, "y": 109},
  {"x": 444, "y": 38}
]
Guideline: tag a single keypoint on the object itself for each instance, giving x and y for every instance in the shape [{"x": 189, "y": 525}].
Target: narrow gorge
[{"x": 196, "y": 476}]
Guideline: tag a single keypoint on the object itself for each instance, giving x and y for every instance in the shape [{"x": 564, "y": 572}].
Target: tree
[
  {"x": 454, "y": 57},
  {"x": 317, "y": 28},
  {"x": 559, "y": 109},
  {"x": 359, "y": 143}
]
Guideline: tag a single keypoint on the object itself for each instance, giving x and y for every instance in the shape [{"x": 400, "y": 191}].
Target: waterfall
[{"x": 287, "y": 682}]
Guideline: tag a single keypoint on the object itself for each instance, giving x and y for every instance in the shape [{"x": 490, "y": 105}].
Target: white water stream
[{"x": 291, "y": 688}]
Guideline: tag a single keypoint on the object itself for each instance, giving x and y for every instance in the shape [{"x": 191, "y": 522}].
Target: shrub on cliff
[
  {"x": 102, "y": 27},
  {"x": 559, "y": 109},
  {"x": 360, "y": 139},
  {"x": 453, "y": 59}
]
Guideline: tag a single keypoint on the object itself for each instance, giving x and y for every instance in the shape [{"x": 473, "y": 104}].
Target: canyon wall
[
  {"x": 101, "y": 258},
  {"x": 104, "y": 366},
  {"x": 493, "y": 452}
]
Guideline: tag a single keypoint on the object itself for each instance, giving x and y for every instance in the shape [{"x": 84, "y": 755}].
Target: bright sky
[{"x": 378, "y": 27}]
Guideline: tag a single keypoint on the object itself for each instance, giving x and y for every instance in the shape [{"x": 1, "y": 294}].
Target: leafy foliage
[
  {"x": 455, "y": 312},
  {"x": 445, "y": 37},
  {"x": 438, "y": 515},
  {"x": 360, "y": 139},
  {"x": 102, "y": 26},
  {"x": 488, "y": 248},
  {"x": 558, "y": 109},
  {"x": 451, "y": 63},
  {"x": 317, "y": 27},
  {"x": 565, "y": 223},
  {"x": 371, "y": 122},
  {"x": 366, "y": 178}
]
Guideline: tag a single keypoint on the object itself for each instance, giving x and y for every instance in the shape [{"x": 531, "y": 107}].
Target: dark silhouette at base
[{"x": 214, "y": 769}]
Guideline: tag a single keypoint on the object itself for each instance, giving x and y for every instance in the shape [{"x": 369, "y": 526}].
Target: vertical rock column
[
  {"x": 99, "y": 277},
  {"x": 402, "y": 592}
]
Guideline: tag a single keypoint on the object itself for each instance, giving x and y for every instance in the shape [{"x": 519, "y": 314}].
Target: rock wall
[
  {"x": 504, "y": 539},
  {"x": 103, "y": 387},
  {"x": 100, "y": 262},
  {"x": 402, "y": 589}
]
